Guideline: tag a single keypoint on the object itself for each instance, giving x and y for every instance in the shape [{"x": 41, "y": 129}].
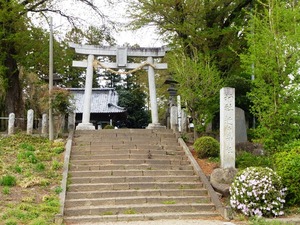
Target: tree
[
  {"x": 208, "y": 36},
  {"x": 212, "y": 27},
  {"x": 273, "y": 58},
  {"x": 133, "y": 100},
  {"x": 199, "y": 83},
  {"x": 17, "y": 44}
]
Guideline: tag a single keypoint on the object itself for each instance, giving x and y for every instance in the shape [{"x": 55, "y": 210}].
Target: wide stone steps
[
  {"x": 199, "y": 192},
  {"x": 148, "y": 155},
  {"x": 132, "y": 175},
  {"x": 137, "y": 209},
  {"x": 135, "y": 179},
  {"x": 166, "y": 200},
  {"x": 133, "y": 185},
  {"x": 109, "y": 217}
]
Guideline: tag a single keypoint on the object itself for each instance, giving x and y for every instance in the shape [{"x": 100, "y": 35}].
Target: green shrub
[
  {"x": 207, "y": 147},
  {"x": 247, "y": 159},
  {"x": 257, "y": 191},
  {"x": 287, "y": 165},
  {"x": 8, "y": 180},
  {"x": 108, "y": 127}
]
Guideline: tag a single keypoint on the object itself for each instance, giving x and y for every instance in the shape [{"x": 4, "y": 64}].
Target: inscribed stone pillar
[
  {"x": 183, "y": 121},
  {"x": 173, "y": 117},
  {"x": 179, "y": 113},
  {"x": 44, "y": 124},
  {"x": 85, "y": 124},
  {"x": 11, "y": 123},
  {"x": 30, "y": 117},
  {"x": 71, "y": 121},
  {"x": 227, "y": 127}
]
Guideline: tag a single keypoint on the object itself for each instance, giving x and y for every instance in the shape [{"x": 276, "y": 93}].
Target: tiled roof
[{"x": 103, "y": 100}]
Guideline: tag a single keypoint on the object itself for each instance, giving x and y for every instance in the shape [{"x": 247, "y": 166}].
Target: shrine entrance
[{"x": 121, "y": 54}]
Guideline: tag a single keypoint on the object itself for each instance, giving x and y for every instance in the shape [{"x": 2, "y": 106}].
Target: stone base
[
  {"x": 155, "y": 126},
  {"x": 85, "y": 126}
]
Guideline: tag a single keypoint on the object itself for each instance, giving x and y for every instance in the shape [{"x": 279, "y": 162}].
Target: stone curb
[
  {"x": 62, "y": 196},
  {"x": 224, "y": 211}
]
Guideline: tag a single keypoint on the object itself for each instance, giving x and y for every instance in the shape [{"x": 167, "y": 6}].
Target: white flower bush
[{"x": 258, "y": 191}]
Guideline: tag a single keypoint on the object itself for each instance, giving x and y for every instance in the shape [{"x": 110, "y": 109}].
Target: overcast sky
[{"x": 145, "y": 37}]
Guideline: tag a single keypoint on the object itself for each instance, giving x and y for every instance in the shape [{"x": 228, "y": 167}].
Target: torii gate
[{"x": 121, "y": 54}]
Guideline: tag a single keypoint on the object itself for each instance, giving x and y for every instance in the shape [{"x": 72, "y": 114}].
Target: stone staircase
[{"x": 132, "y": 174}]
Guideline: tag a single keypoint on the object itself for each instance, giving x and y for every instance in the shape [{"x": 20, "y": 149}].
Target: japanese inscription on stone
[{"x": 227, "y": 127}]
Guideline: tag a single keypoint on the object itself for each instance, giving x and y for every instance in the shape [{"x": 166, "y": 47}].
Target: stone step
[
  {"x": 125, "y": 131},
  {"x": 138, "y": 173},
  {"x": 129, "y": 161},
  {"x": 134, "y": 186},
  {"x": 129, "y": 174},
  {"x": 128, "y": 145},
  {"x": 165, "y": 200},
  {"x": 127, "y": 148},
  {"x": 135, "y": 193},
  {"x": 76, "y": 152},
  {"x": 131, "y": 179},
  {"x": 138, "y": 208},
  {"x": 141, "y": 217},
  {"x": 124, "y": 168},
  {"x": 148, "y": 155}
]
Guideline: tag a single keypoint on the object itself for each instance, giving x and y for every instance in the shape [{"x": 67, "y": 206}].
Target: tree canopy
[{"x": 24, "y": 47}]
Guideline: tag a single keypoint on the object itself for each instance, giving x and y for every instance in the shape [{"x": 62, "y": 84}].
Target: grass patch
[
  {"x": 30, "y": 168},
  {"x": 8, "y": 180},
  {"x": 130, "y": 211},
  {"x": 169, "y": 202},
  {"x": 108, "y": 213}
]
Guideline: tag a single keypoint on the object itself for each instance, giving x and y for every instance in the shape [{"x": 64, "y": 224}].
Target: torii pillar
[
  {"x": 85, "y": 124},
  {"x": 121, "y": 54}
]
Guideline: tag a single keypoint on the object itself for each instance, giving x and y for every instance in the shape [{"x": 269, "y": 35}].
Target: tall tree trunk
[{"x": 13, "y": 99}]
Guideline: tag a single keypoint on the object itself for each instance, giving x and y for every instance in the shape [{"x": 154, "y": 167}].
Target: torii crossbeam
[{"x": 121, "y": 54}]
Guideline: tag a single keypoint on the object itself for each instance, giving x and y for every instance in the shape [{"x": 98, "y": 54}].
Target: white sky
[{"x": 145, "y": 37}]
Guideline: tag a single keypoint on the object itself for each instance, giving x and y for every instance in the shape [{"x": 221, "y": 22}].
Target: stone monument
[
  {"x": 11, "y": 123},
  {"x": 30, "y": 117},
  {"x": 227, "y": 127},
  {"x": 240, "y": 126}
]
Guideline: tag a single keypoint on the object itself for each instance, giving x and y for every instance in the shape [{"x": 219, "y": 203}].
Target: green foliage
[
  {"x": 58, "y": 190},
  {"x": 27, "y": 146},
  {"x": 56, "y": 165},
  {"x": 59, "y": 150},
  {"x": 199, "y": 82},
  {"x": 257, "y": 191},
  {"x": 6, "y": 190},
  {"x": 247, "y": 159},
  {"x": 255, "y": 220},
  {"x": 8, "y": 180},
  {"x": 40, "y": 167},
  {"x": 28, "y": 156},
  {"x": 287, "y": 165},
  {"x": 207, "y": 147},
  {"x": 61, "y": 101},
  {"x": 133, "y": 100},
  {"x": 272, "y": 58}
]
